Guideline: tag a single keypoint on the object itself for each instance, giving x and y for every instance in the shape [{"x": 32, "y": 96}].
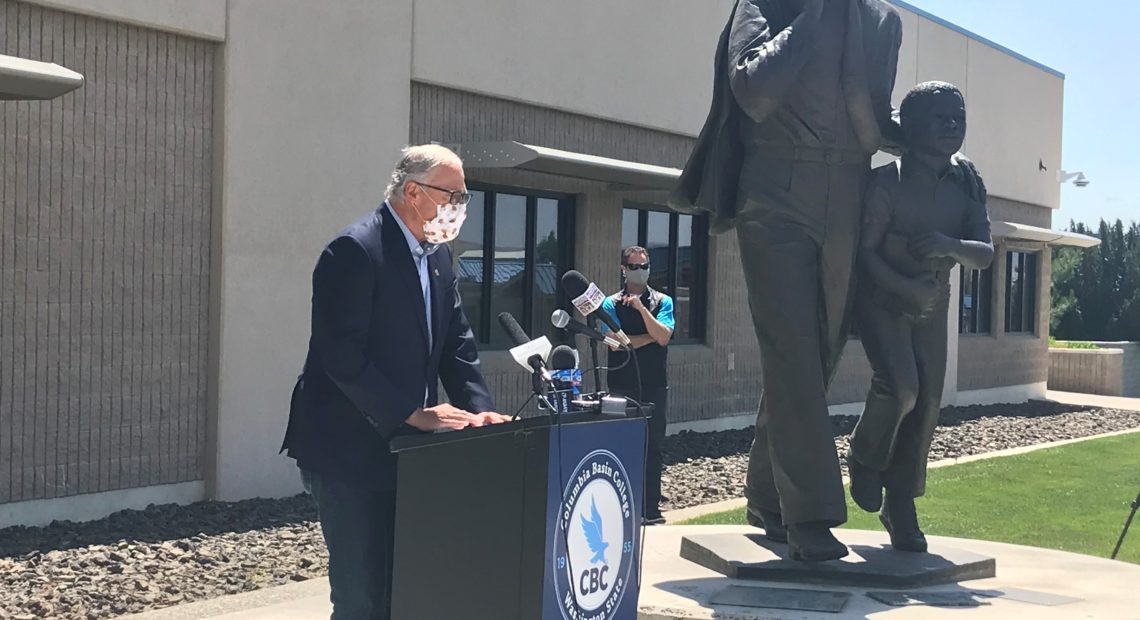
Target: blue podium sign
[{"x": 596, "y": 476}]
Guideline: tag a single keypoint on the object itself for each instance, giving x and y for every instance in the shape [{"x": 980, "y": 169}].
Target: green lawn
[{"x": 1073, "y": 498}]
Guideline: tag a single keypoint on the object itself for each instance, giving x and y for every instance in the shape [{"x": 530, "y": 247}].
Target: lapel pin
[{"x": 436, "y": 272}]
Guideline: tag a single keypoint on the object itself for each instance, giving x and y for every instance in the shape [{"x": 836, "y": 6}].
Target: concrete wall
[
  {"x": 104, "y": 257},
  {"x": 1131, "y": 383},
  {"x": 1091, "y": 371},
  {"x": 204, "y": 19},
  {"x": 643, "y": 62},
  {"x": 629, "y": 59},
  {"x": 1097, "y": 371},
  {"x": 1015, "y": 116},
  {"x": 314, "y": 105},
  {"x": 999, "y": 87}
]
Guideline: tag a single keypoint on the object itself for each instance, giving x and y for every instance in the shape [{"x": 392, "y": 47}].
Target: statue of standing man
[{"x": 801, "y": 101}]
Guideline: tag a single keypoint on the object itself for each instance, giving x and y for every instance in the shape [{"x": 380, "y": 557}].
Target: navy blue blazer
[{"x": 368, "y": 363}]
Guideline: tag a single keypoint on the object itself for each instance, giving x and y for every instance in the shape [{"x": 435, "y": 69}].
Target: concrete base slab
[
  {"x": 781, "y": 598},
  {"x": 872, "y": 562},
  {"x": 930, "y": 599},
  {"x": 1030, "y": 582}
]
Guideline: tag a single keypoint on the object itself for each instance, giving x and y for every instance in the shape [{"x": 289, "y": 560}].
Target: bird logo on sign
[{"x": 592, "y": 527}]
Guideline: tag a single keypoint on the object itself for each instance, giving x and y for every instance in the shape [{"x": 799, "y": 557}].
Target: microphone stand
[
  {"x": 592, "y": 322},
  {"x": 538, "y": 386}
]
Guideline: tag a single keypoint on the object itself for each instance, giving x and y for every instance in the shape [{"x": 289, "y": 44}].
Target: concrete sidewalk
[
  {"x": 1094, "y": 400},
  {"x": 308, "y": 600},
  {"x": 1037, "y": 583}
]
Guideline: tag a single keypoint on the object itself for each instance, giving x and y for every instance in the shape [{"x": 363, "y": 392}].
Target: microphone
[
  {"x": 566, "y": 378},
  {"x": 563, "y": 358},
  {"x": 528, "y": 353},
  {"x": 587, "y": 299},
  {"x": 561, "y": 319}
]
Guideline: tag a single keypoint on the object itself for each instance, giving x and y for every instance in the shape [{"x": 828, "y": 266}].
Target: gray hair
[{"x": 415, "y": 163}]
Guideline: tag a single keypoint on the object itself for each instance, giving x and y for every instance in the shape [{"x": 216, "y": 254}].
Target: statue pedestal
[
  {"x": 733, "y": 573},
  {"x": 752, "y": 557}
]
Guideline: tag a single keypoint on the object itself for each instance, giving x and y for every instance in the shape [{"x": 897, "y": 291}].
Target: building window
[
  {"x": 1020, "y": 293},
  {"x": 678, "y": 257},
  {"x": 531, "y": 241},
  {"x": 976, "y": 301}
]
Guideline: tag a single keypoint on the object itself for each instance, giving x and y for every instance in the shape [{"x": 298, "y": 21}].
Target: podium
[{"x": 538, "y": 518}]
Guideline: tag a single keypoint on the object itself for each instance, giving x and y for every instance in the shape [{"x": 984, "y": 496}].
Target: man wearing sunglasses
[
  {"x": 387, "y": 328},
  {"x": 646, "y": 316}
]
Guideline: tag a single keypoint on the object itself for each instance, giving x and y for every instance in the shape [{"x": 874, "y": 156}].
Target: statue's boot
[
  {"x": 866, "y": 485},
  {"x": 901, "y": 520},
  {"x": 814, "y": 542},
  {"x": 771, "y": 522}
]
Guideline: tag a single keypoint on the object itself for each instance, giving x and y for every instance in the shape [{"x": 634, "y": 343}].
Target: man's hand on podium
[
  {"x": 446, "y": 417},
  {"x": 442, "y": 417},
  {"x": 490, "y": 417}
]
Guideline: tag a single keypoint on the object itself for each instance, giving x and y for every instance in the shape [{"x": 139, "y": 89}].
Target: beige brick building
[{"x": 159, "y": 225}]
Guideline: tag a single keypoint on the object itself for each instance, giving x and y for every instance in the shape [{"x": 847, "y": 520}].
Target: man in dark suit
[
  {"x": 387, "y": 327},
  {"x": 801, "y": 101}
]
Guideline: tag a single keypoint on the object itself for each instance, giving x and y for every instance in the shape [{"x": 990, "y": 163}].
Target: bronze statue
[
  {"x": 920, "y": 218},
  {"x": 801, "y": 101}
]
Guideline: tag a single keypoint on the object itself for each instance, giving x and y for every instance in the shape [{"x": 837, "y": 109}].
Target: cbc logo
[{"x": 594, "y": 539}]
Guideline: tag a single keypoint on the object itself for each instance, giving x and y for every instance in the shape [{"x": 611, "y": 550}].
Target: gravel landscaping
[
  {"x": 139, "y": 560},
  {"x": 701, "y": 468}
]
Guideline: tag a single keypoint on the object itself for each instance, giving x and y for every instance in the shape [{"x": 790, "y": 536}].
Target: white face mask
[
  {"x": 445, "y": 226},
  {"x": 639, "y": 277}
]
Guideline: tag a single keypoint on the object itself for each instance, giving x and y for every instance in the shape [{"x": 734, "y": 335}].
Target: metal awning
[
  {"x": 1025, "y": 232},
  {"x": 565, "y": 163},
  {"x": 21, "y": 78},
  {"x": 634, "y": 175}
]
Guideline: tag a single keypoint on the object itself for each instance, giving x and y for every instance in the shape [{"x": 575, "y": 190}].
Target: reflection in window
[
  {"x": 1020, "y": 292},
  {"x": 532, "y": 237},
  {"x": 657, "y": 243},
  {"x": 975, "y": 301},
  {"x": 509, "y": 263},
  {"x": 547, "y": 269},
  {"x": 468, "y": 253}
]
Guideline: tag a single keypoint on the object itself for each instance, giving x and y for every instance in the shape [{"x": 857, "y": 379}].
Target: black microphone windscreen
[
  {"x": 574, "y": 283},
  {"x": 585, "y": 295},
  {"x": 511, "y": 326},
  {"x": 563, "y": 358}
]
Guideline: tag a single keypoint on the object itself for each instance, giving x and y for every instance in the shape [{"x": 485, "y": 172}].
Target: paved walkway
[
  {"x": 309, "y": 600},
  {"x": 1094, "y": 400},
  {"x": 676, "y": 589}
]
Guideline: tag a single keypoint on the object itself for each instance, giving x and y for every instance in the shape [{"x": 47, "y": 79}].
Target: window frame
[
  {"x": 989, "y": 308},
  {"x": 1029, "y": 292},
  {"x": 698, "y": 304},
  {"x": 566, "y": 236}
]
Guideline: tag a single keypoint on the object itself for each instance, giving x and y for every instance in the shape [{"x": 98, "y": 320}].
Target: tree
[
  {"x": 1096, "y": 292},
  {"x": 546, "y": 251}
]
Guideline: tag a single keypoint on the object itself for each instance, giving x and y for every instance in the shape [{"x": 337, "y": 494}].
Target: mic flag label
[
  {"x": 591, "y": 300},
  {"x": 567, "y": 385}
]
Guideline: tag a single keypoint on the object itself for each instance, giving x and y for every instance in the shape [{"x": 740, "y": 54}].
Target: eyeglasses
[
  {"x": 456, "y": 198},
  {"x": 636, "y": 266}
]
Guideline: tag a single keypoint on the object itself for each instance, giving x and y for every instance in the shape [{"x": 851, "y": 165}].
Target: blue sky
[{"x": 1098, "y": 50}]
